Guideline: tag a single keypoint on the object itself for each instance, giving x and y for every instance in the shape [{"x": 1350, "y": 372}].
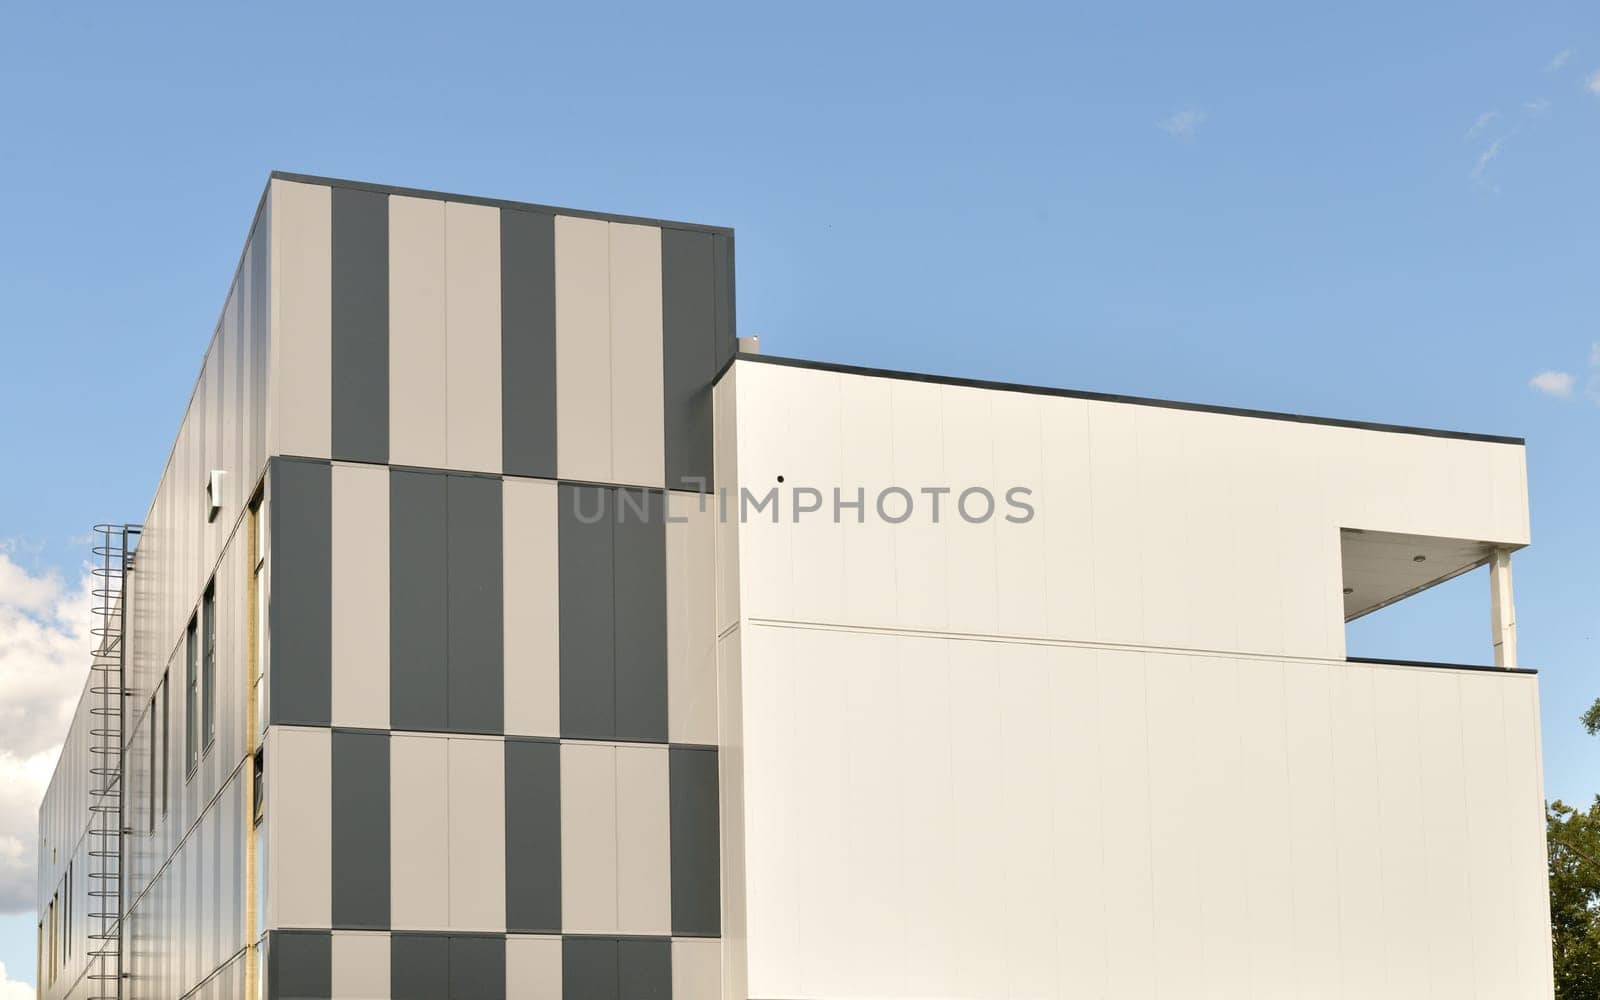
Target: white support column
[{"x": 1502, "y": 612}]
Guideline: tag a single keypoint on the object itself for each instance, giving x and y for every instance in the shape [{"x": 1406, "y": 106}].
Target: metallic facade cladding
[
  {"x": 300, "y": 613},
  {"x": 696, "y": 842},
  {"x": 360, "y": 326},
  {"x": 475, "y": 659},
  {"x": 533, "y": 835},
  {"x": 300, "y": 965},
  {"x": 588, "y": 672},
  {"x": 387, "y": 363},
  {"x": 418, "y": 615},
  {"x": 360, "y": 831},
  {"x": 602, "y": 968},
  {"x": 639, "y": 615},
  {"x": 528, "y": 343},
  {"x": 689, "y": 355}
]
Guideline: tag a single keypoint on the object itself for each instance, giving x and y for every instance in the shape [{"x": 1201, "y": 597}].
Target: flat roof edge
[
  {"x": 472, "y": 199},
  {"x": 1107, "y": 397}
]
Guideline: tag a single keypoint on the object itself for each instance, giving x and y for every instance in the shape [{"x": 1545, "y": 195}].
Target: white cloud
[
  {"x": 1594, "y": 83},
  {"x": 1594, "y": 354},
  {"x": 10, "y": 989},
  {"x": 1483, "y": 121},
  {"x": 44, "y": 658},
  {"x": 1557, "y": 384},
  {"x": 1183, "y": 124},
  {"x": 1538, "y": 106},
  {"x": 1484, "y": 159},
  {"x": 1558, "y": 60}
]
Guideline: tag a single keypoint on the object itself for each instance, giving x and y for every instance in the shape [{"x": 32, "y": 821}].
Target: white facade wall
[{"x": 1117, "y": 750}]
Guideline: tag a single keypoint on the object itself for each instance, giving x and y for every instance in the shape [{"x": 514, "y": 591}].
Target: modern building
[{"x": 500, "y": 628}]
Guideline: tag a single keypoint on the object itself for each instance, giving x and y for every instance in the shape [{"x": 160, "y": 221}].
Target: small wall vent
[{"x": 213, "y": 494}]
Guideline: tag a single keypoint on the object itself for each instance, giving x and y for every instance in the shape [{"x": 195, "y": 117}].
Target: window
[
  {"x": 191, "y": 705},
  {"x": 166, "y": 741},
  {"x": 208, "y": 672},
  {"x": 258, "y": 766},
  {"x": 155, "y": 759}
]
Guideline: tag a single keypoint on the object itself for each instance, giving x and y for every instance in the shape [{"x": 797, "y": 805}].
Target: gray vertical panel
[
  {"x": 478, "y": 967},
  {"x": 528, "y": 343},
  {"x": 360, "y": 830},
  {"x": 722, "y": 274},
  {"x": 688, "y": 355},
  {"x": 533, "y": 836},
  {"x": 419, "y": 966},
  {"x": 639, "y": 564},
  {"x": 588, "y": 681},
  {"x": 360, "y": 329},
  {"x": 695, "y": 838},
  {"x": 644, "y": 969},
  {"x": 300, "y": 965},
  {"x": 417, "y": 601},
  {"x": 589, "y": 969},
  {"x": 475, "y": 630},
  {"x": 299, "y": 618}
]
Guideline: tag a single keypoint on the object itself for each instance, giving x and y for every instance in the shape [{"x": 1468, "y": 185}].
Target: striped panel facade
[{"x": 491, "y": 753}]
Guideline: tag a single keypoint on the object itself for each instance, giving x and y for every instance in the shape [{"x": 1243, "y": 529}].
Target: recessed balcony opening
[{"x": 1426, "y": 598}]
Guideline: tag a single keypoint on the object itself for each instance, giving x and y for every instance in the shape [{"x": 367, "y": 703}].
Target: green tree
[{"x": 1574, "y": 850}]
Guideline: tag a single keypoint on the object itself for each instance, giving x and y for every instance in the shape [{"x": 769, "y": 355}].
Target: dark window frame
[
  {"x": 208, "y": 668},
  {"x": 191, "y": 695}
]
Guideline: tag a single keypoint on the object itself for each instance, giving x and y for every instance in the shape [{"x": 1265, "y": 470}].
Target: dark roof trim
[
  {"x": 494, "y": 202},
  {"x": 1107, "y": 397},
  {"x": 1526, "y": 671}
]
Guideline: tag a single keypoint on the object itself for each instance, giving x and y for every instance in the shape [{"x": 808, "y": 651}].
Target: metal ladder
[{"x": 113, "y": 559}]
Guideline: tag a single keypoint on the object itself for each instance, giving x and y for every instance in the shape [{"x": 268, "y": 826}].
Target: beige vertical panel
[
  {"x": 533, "y": 968},
  {"x": 419, "y": 832},
  {"x": 866, "y": 450},
  {"x": 815, "y": 458},
  {"x": 1022, "y": 599},
  {"x": 644, "y": 855},
  {"x": 1488, "y": 833},
  {"x": 1165, "y": 572},
  {"x": 1113, "y": 482},
  {"x": 638, "y": 439},
  {"x": 969, "y": 462},
  {"x": 1360, "y": 844},
  {"x": 1313, "y": 828},
  {"x": 920, "y": 590},
  {"x": 691, "y": 619},
  {"x": 588, "y": 839},
  {"x": 532, "y": 608},
  {"x": 583, "y": 349},
  {"x": 731, "y": 810},
  {"x": 764, "y": 450},
  {"x": 1451, "y": 883},
  {"x": 360, "y": 578},
  {"x": 418, "y": 355},
  {"x": 301, "y": 407},
  {"x": 977, "y": 755},
  {"x": 1080, "y": 878},
  {"x": 1176, "y": 805},
  {"x": 932, "y": 925},
  {"x": 302, "y": 823},
  {"x": 477, "y": 834},
  {"x": 726, "y": 469},
  {"x": 1270, "y": 877},
  {"x": 696, "y": 969},
  {"x": 1126, "y": 806},
  {"x": 472, "y": 322},
  {"x": 361, "y": 965},
  {"x": 1407, "y": 907}
]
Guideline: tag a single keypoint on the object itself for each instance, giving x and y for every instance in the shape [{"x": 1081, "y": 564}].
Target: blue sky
[{"x": 1377, "y": 211}]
